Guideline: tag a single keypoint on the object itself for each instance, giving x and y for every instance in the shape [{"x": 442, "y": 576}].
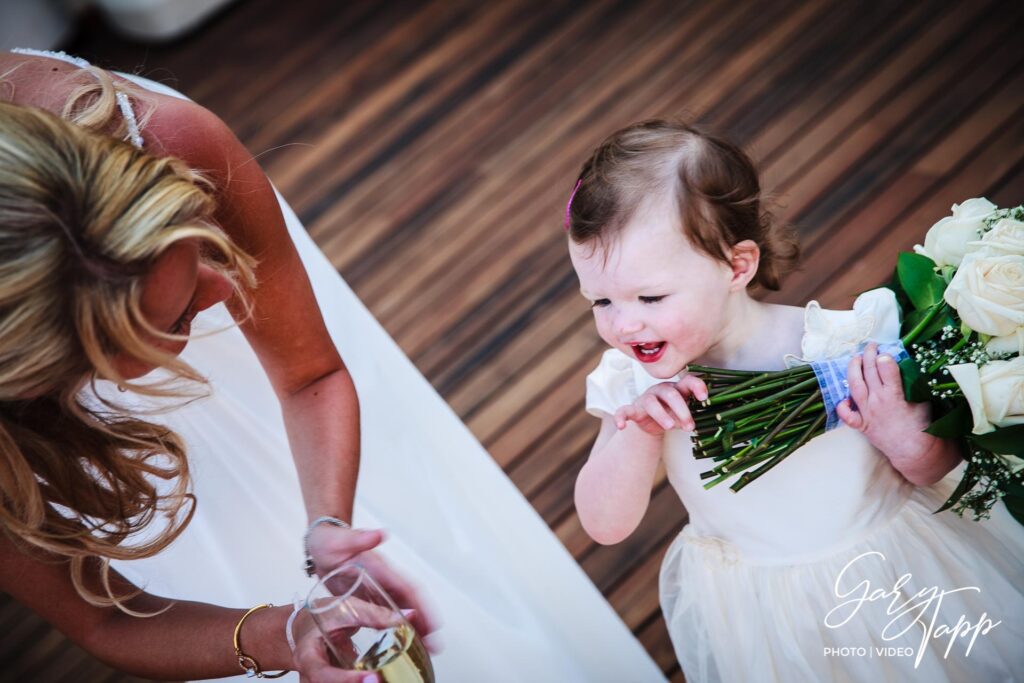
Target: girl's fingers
[
  {"x": 855, "y": 380},
  {"x": 622, "y": 416},
  {"x": 691, "y": 385},
  {"x": 627, "y": 414},
  {"x": 654, "y": 407},
  {"x": 871, "y": 377},
  {"x": 889, "y": 372},
  {"x": 850, "y": 417},
  {"x": 675, "y": 403}
]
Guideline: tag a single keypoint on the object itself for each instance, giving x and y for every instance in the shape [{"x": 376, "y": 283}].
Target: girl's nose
[{"x": 628, "y": 325}]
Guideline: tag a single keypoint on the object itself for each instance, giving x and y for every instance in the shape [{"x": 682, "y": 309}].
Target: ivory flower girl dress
[{"x": 763, "y": 585}]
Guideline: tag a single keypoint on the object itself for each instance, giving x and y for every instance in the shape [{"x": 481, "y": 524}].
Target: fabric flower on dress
[{"x": 832, "y": 334}]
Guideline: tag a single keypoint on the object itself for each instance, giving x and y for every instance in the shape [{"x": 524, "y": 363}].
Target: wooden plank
[
  {"x": 885, "y": 145},
  {"x": 655, "y": 637},
  {"x": 792, "y": 140},
  {"x": 636, "y": 597},
  {"x": 552, "y": 407},
  {"x": 922, "y": 181},
  {"x": 606, "y": 565},
  {"x": 874, "y": 264}
]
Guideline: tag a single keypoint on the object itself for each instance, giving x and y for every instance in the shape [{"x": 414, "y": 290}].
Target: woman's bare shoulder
[
  {"x": 37, "y": 81},
  {"x": 184, "y": 129}
]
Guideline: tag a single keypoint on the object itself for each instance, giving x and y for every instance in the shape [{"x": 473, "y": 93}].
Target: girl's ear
[{"x": 744, "y": 257}]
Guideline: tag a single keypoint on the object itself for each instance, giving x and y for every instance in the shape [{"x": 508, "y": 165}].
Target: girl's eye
[
  {"x": 600, "y": 303},
  {"x": 651, "y": 299}
]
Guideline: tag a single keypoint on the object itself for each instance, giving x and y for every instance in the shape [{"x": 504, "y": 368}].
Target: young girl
[{"x": 832, "y": 566}]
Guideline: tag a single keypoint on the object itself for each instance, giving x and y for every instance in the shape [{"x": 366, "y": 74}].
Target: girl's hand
[
  {"x": 329, "y": 546},
  {"x": 893, "y": 425},
  {"x": 663, "y": 406}
]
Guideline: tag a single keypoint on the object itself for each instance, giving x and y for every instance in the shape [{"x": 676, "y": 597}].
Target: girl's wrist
[{"x": 934, "y": 461}]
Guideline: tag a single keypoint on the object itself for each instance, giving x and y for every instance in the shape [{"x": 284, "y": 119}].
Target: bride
[{"x": 281, "y": 426}]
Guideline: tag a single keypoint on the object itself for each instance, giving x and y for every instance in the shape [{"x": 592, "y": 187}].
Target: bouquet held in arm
[{"x": 960, "y": 347}]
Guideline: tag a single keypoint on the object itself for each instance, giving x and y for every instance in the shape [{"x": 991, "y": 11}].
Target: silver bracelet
[{"x": 310, "y": 566}]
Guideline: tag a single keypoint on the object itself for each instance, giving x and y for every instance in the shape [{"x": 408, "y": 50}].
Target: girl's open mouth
[{"x": 649, "y": 352}]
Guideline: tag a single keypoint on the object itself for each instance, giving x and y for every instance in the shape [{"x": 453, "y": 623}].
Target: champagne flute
[{"x": 363, "y": 628}]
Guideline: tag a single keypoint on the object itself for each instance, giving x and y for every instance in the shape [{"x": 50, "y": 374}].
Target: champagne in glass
[{"x": 364, "y": 630}]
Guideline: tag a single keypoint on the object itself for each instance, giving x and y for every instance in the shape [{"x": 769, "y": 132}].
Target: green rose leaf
[
  {"x": 915, "y": 385},
  {"x": 919, "y": 280},
  {"x": 1007, "y": 440},
  {"x": 1014, "y": 500},
  {"x": 957, "y": 422},
  {"x": 965, "y": 485},
  {"x": 932, "y": 329}
]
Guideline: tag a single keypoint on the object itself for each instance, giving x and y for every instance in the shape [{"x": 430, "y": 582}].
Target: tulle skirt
[{"x": 922, "y": 596}]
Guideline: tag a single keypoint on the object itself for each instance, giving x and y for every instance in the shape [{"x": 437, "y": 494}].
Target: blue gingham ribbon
[{"x": 831, "y": 374}]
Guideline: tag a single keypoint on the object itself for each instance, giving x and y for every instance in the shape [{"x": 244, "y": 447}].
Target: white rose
[
  {"x": 1005, "y": 238},
  {"x": 947, "y": 241},
  {"x": 1012, "y": 462},
  {"x": 1011, "y": 343},
  {"x": 988, "y": 293},
  {"x": 995, "y": 393}
]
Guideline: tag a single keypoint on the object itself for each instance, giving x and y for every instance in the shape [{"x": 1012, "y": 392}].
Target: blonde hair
[{"x": 82, "y": 218}]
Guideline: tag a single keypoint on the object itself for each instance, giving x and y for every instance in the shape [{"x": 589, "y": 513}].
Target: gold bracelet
[{"x": 250, "y": 665}]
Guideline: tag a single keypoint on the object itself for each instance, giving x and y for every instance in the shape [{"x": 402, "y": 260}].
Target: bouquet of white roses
[{"x": 962, "y": 349}]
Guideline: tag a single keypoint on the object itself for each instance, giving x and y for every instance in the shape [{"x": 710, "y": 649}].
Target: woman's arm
[
  {"x": 286, "y": 329},
  {"x": 613, "y": 489},
  {"x": 288, "y": 334},
  {"x": 190, "y": 640}
]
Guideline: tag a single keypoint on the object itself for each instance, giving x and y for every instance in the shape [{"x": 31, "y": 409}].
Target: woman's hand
[
  {"x": 330, "y": 546},
  {"x": 312, "y": 661},
  {"x": 877, "y": 408},
  {"x": 663, "y": 406}
]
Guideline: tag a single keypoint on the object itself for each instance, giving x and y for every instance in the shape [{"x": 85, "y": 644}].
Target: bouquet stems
[{"x": 754, "y": 419}]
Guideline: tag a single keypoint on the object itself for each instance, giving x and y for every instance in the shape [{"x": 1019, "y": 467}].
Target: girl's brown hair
[
  {"x": 83, "y": 216},
  {"x": 714, "y": 183}
]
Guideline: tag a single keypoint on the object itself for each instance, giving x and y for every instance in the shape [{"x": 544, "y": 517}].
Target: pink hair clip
[{"x": 568, "y": 205}]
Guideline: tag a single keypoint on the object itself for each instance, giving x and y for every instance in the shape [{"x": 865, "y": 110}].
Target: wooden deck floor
[{"x": 429, "y": 147}]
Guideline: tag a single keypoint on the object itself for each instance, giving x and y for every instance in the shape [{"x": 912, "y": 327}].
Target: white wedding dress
[
  {"x": 751, "y": 588},
  {"x": 514, "y": 605}
]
